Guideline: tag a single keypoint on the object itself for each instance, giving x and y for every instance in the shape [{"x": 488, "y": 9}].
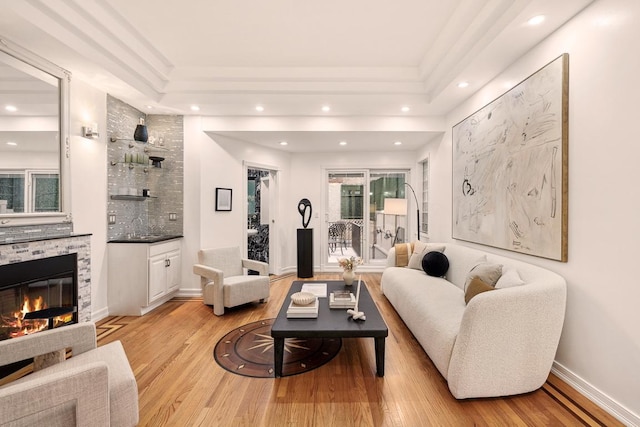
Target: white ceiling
[{"x": 363, "y": 58}]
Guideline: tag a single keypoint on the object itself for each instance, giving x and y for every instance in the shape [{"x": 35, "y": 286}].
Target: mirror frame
[{"x": 64, "y": 79}]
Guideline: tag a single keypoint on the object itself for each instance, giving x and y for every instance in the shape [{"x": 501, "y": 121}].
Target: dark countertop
[{"x": 152, "y": 238}]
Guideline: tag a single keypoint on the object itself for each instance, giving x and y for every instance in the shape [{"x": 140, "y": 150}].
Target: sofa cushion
[
  {"x": 435, "y": 264},
  {"x": 420, "y": 249},
  {"x": 510, "y": 277},
  {"x": 431, "y": 308},
  {"x": 486, "y": 271},
  {"x": 476, "y": 286},
  {"x": 461, "y": 261}
]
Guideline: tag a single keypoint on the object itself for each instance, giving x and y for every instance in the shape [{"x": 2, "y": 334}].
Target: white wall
[
  {"x": 309, "y": 181},
  {"x": 600, "y": 345},
  {"x": 210, "y": 164},
  {"x": 89, "y": 185}
]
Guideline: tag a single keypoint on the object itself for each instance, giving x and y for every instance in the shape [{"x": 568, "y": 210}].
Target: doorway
[
  {"x": 260, "y": 208},
  {"x": 355, "y": 220}
]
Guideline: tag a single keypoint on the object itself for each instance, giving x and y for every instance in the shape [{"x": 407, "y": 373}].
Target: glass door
[
  {"x": 388, "y": 212},
  {"x": 355, "y": 221},
  {"x": 345, "y": 213}
]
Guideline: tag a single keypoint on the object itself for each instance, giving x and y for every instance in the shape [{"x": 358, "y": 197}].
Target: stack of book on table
[
  {"x": 303, "y": 311},
  {"x": 342, "y": 299}
]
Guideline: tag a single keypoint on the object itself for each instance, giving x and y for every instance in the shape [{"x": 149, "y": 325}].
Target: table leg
[
  {"x": 278, "y": 354},
  {"x": 379, "y": 345}
]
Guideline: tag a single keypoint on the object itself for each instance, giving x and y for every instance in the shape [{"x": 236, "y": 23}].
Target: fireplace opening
[{"x": 37, "y": 295}]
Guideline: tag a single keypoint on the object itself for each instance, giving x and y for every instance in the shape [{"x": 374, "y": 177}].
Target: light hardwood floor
[{"x": 180, "y": 384}]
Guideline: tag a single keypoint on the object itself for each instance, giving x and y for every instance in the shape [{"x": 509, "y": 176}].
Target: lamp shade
[{"x": 395, "y": 206}]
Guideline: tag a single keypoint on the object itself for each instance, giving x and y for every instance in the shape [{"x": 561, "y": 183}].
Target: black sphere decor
[{"x": 435, "y": 264}]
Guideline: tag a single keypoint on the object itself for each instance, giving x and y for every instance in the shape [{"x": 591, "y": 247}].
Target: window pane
[
  {"x": 46, "y": 197},
  {"x": 12, "y": 191}
]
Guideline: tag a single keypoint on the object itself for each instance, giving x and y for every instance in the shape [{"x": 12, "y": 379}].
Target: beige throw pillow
[
  {"x": 487, "y": 272},
  {"x": 476, "y": 286},
  {"x": 403, "y": 252},
  {"x": 420, "y": 249}
]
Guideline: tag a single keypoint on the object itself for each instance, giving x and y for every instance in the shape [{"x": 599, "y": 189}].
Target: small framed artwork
[{"x": 223, "y": 199}]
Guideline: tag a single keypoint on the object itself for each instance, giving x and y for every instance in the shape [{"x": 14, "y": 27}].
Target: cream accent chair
[
  {"x": 94, "y": 387},
  {"x": 223, "y": 281}
]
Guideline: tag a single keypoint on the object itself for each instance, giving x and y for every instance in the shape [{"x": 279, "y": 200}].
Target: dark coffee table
[{"x": 331, "y": 323}]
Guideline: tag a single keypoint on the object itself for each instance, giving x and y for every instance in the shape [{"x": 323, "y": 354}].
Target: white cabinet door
[
  {"x": 157, "y": 277},
  {"x": 173, "y": 270}
]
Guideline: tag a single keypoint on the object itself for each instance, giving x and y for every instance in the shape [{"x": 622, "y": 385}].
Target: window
[
  {"x": 424, "y": 223},
  {"x": 29, "y": 191},
  {"x": 12, "y": 190}
]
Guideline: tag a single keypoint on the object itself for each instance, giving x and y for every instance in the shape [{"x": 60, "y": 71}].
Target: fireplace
[{"x": 38, "y": 294}]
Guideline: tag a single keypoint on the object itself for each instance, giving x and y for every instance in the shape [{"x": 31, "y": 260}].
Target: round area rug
[{"x": 248, "y": 351}]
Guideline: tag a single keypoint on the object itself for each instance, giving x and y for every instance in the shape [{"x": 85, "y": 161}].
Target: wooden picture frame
[
  {"x": 510, "y": 168},
  {"x": 224, "y": 199}
]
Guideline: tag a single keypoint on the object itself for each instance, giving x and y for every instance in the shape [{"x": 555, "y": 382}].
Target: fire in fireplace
[{"x": 37, "y": 295}]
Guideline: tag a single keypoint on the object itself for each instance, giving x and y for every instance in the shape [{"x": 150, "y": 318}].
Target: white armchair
[
  {"x": 223, "y": 281},
  {"x": 94, "y": 387}
]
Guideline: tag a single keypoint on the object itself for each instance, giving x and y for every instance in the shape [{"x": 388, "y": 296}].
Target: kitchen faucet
[{"x": 134, "y": 225}]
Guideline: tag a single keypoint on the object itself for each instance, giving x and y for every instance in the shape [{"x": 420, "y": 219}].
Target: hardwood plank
[{"x": 180, "y": 384}]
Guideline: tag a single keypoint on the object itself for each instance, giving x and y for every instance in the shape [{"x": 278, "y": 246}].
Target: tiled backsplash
[{"x": 165, "y": 184}]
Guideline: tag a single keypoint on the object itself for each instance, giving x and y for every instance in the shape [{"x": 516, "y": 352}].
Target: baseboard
[
  {"x": 189, "y": 293},
  {"x": 100, "y": 314},
  {"x": 614, "y": 408}
]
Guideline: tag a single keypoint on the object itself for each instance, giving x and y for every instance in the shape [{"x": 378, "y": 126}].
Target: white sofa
[{"x": 502, "y": 342}]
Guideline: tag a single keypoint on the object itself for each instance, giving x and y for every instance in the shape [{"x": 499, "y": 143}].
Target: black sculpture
[{"x": 302, "y": 208}]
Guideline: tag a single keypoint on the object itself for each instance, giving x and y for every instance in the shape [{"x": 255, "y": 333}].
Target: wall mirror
[{"x": 34, "y": 140}]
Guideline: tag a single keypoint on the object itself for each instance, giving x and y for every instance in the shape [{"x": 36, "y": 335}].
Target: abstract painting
[{"x": 510, "y": 167}]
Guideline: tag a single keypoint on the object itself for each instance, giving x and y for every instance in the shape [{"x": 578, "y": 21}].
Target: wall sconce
[{"x": 90, "y": 131}]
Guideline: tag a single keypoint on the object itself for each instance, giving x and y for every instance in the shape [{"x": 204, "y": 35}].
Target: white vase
[{"x": 348, "y": 276}]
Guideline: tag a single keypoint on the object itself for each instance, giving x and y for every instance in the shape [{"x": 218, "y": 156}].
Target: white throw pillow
[
  {"x": 509, "y": 278},
  {"x": 420, "y": 249}
]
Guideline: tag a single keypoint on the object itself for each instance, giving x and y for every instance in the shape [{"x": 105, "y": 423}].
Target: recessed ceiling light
[
  {"x": 11, "y": 108},
  {"x": 343, "y": 143},
  {"x": 326, "y": 108},
  {"x": 259, "y": 108},
  {"x": 284, "y": 143},
  {"x": 405, "y": 109},
  {"x": 536, "y": 20},
  {"x": 397, "y": 143},
  {"x": 150, "y": 107},
  {"x": 462, "y": 85},
  {"x": 195, "y": 108},
  {"x": 12, "y": 143}
]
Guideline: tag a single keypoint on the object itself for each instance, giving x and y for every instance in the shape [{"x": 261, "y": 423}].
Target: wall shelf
[
  {"x": 144, "y": 145},
  {"x": 128, "y": 197},
  {"x": 132, "y": 165}
]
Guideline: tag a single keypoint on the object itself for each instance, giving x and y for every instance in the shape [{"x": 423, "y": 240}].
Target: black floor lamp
[{"x": 417, "y": 207}]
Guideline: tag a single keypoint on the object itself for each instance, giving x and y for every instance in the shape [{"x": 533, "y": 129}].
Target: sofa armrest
[
  {"x": 507, "y": 340},
  {"x": 77, "y": 396},
  {"x": 261, "y": 267},
  {"x": 80, "y": 337},
  {"x": 391, "y": 258}
]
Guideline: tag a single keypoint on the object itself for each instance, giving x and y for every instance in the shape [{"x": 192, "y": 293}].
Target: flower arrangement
[{"x": 349, "y": 263}]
